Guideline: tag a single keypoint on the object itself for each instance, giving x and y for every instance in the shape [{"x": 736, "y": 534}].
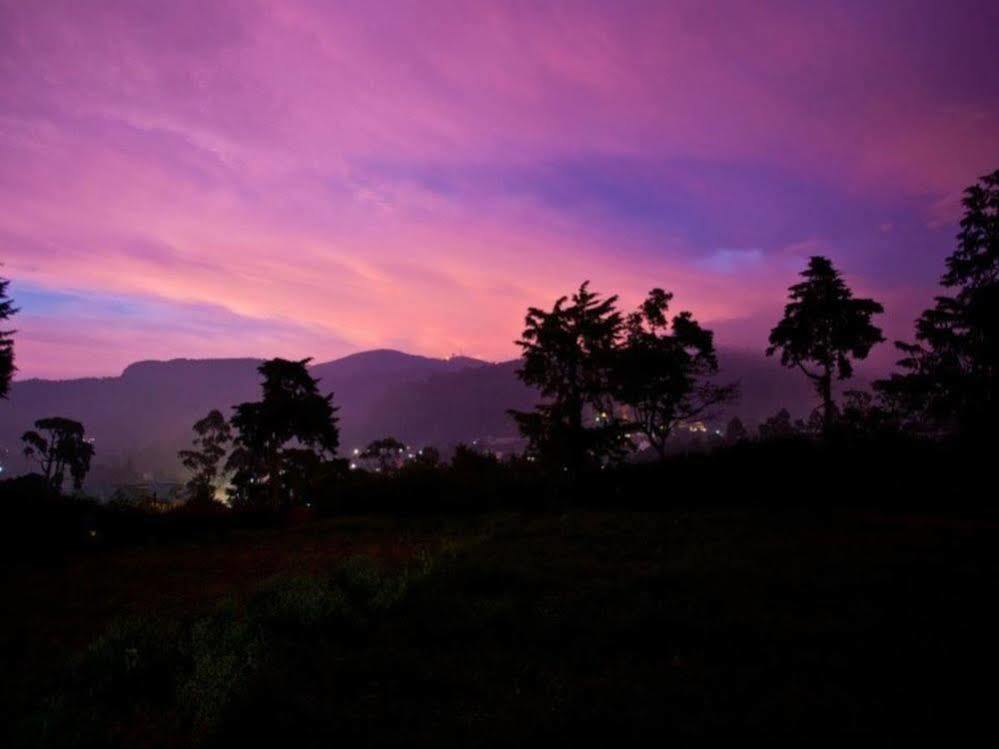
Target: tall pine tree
[
  {"x": 950, "y": 374},
  {"x": 824, "y": 327},
  {"x": 7, "y": 368}
]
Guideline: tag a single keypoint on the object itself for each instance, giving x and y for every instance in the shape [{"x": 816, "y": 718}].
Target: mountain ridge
[{"x": 142, "y": 417}]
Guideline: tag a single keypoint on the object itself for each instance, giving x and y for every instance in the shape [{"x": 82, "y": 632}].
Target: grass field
[{"x": 685, "y": 626}]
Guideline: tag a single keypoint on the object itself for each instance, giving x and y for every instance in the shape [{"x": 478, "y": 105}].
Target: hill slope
[{"x": 141, "y": 418}]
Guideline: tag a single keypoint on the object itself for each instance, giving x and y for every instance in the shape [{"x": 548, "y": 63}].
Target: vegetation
[
  {"x": 778, "y": 426},
  {"x": 568, "y": 356},
  {"x": 688, "y": 625},
  {"x": 212, "y": 436},
  {"x": 662, "y": 370},
  {"x": 59, "y": 445},
  {"x": 824, "y": 327},
  {"x": 7, "y": 368},
  {"x": 265, "y": 469},
  {"x": 612, "y": 385},
  {"x": 736, "y": 431},
  {"x": 385, "y": 453},
  {"x": 577, "y": 593},
  {"x": 642, "y": 374},
  {"x": 950, "y": 376}
]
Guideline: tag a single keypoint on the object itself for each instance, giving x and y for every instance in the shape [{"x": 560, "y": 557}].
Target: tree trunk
[
  {"x": 828, "y": 407},
  {"x": 657, "y": 438},
  {"x": 576, "y": 448},
  {"x": 46, "y": 464},
  {"x": 274, "y": 490},
  {"x": 660, "y": 447}
]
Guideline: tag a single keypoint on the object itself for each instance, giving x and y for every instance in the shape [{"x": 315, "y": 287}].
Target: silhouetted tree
[
  {"x": 951, "y": 373},
  {"x": 212, "y": 436},
  {"x": 7, "y": 368},
  {"x": 58, "y": 445},
  {"x": 291, "y": 411},
  {"x": 662, "y": 368},
  {"x": 428, "y": 457},
  {"x": 736, "y": 431},
  {"x": 815, "y": 424},
  {"x": 823, "y": 328},
  {"x": 387, "y": 453},
  {"x": 304, "y": 469},
  {"x": 470, "y": 462},
  {"x": 568, "y": 353},
  {"x": 778, "y": 426},
  {"x": 865, "y": 414}
]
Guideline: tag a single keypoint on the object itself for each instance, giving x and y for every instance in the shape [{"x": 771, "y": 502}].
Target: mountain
[
  {"x": 473, "y": 403},
  {"x": 361, "y": 382},
  {"x": 445, "y": 409},
  {"x": 143, "y": 417}
]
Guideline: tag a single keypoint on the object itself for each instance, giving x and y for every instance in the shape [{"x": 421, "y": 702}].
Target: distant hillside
[
  {"x": 139, "y": 418},
  {"x": 360, "y": 382},
  {"x": 454, "y": 407},
  {"x": 142, "y": 418}
]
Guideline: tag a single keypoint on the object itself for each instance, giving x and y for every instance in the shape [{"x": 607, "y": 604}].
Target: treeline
[{"x": 615, "y": 386}]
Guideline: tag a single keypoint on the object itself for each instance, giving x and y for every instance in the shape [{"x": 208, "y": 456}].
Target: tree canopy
[
  {"x": 385, "y": 452},
  {"x": 662, "y": 371},
  {"x": 568, "y": 355},
  {"x": 736, "y": 431},
  {"x": 292, "y": 410},
  {"x": 605, "y": 377},
  {"x": 7, "y": 369},
  {"x": 950, "y": 375},
  {"x": 58, "y": 445},
  {"x": 823, "y": 329},
  {"x": 212, "y": 436}
]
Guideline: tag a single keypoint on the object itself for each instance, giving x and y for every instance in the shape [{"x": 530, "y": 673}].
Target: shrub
[
  {"x": 304, "y": 603},
  {"x": 224, "y": 654}
]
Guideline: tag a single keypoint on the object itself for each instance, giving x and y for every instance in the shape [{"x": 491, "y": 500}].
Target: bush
[
  {"x": 224, "y": 654},
  {"x": 301, "y": 603},
  {"x": 868, "y": 469},
  {"x": 209, "y": 671}
]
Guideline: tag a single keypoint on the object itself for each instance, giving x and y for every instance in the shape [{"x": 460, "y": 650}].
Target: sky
[{"x": 296, "y": 178}]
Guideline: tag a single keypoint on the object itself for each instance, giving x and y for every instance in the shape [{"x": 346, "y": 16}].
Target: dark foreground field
[{"x": 680, "y": 626}]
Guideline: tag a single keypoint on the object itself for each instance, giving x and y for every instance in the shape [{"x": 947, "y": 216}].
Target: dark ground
[{"x": 683, "y": 626}]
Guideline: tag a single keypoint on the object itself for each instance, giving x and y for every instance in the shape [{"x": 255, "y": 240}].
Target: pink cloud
[{"x": 198, "y": 153}]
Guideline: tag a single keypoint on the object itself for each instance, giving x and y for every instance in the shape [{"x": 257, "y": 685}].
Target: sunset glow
[{"x": 311, "y": 179}]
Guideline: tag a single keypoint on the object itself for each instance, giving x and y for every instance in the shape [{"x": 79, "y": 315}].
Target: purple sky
[{"x": 197, "y": 178}]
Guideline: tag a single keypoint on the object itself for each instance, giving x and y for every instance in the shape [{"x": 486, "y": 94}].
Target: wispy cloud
[{"x": 328, "y": 177}]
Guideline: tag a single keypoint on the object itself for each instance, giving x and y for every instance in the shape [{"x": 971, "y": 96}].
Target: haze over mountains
[{"x": 143, "y": 417}]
